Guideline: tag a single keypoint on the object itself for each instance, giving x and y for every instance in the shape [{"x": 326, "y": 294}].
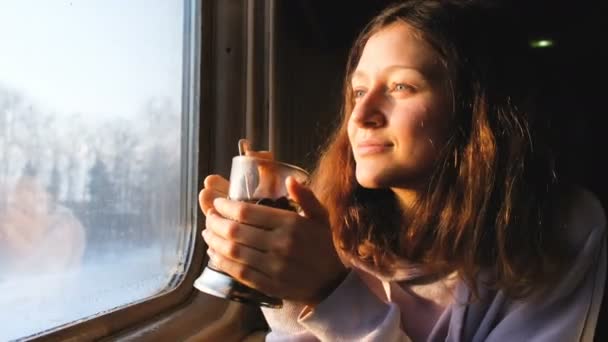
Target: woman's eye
[
  {"x": 358, "y": 93},
  {"x": 401, "y": 87}
]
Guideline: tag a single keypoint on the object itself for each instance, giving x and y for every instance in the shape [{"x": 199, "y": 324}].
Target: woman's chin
[
  {"x": 371, "y": 181},
  {"x": 387, "y": 179}
]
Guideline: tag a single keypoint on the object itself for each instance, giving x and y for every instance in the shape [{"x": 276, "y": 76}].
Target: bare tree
[{"x": 10, "y": 102}]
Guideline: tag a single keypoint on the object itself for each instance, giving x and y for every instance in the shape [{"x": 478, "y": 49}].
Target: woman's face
[{"x": 402, "y": 109}]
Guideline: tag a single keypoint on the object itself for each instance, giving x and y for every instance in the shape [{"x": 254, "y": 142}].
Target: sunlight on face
[{"x": 402, "y": 109}]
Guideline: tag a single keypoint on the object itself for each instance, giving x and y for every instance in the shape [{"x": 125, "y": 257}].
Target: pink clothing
[{"x": 360, "y": 310}]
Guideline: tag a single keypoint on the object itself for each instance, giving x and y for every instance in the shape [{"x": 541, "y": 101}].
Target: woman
[{"x": 439, "y": 194}]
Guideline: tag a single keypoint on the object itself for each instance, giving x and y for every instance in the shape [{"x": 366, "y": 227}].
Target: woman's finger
[
  {"x": 206, "y": 197},
  {"x": 217, "y": 183},
  {"x": 241, "y": 233},
  {"x": 238, "y": 253},
  {"x": 243, "y": 273},
  {"x": 260, "y": 154},
  {"x": 255, "y": 215},
  {"x": 310, "y": 205}
]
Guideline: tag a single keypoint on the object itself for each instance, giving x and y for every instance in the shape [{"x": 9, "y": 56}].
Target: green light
[{"x": 541, "y": 43}]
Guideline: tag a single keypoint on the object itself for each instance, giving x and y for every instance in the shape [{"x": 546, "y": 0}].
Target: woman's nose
[{"x": 369, "y": 112}]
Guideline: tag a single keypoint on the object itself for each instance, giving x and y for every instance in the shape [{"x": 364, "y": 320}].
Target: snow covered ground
[{"x": 33, "y": 303}]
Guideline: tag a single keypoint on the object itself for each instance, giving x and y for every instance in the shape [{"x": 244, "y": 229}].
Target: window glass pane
[{"x": 91, "y": 162}]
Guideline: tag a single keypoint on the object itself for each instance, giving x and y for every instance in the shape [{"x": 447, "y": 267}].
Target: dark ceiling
[{"x": 569, "y": 22}]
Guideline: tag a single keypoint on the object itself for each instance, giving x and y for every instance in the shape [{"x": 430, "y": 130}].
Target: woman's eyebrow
[
  {"x": 360, "y": 75},
  {"x": 394, "y": 68}
]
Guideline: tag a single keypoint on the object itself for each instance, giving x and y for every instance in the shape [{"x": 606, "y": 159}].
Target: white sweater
[{"x": 566, "y": 312}]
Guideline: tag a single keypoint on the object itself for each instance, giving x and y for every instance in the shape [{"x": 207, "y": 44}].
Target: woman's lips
[{"x": 372, "y": 147}]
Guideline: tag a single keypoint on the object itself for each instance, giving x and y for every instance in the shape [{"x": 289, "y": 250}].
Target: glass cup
[{"x": 260, "y": 181}]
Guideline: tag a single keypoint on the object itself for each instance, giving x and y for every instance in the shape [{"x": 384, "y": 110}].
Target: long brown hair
[{"x": 486, "y": 204}]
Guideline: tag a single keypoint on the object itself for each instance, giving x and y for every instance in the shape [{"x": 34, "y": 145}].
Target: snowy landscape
[{"x": 33, "y": 303}]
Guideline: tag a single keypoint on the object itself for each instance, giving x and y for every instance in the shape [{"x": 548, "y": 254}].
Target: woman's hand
[
  {"x": 278, "y": 252},
  {"x": 215, "y": 186}
]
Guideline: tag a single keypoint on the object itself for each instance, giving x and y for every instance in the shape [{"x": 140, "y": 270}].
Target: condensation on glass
[{"x": 92, "y": 160}]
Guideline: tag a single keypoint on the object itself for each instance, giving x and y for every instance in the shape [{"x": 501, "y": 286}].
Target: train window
[{"x": 95, "y": 158}]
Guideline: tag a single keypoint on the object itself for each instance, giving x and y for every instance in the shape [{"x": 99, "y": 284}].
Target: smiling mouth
[{"x": 371, "y": 149}]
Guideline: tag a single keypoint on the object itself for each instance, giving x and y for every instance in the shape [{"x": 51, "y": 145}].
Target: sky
[{"x": 99, "y": 58}]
